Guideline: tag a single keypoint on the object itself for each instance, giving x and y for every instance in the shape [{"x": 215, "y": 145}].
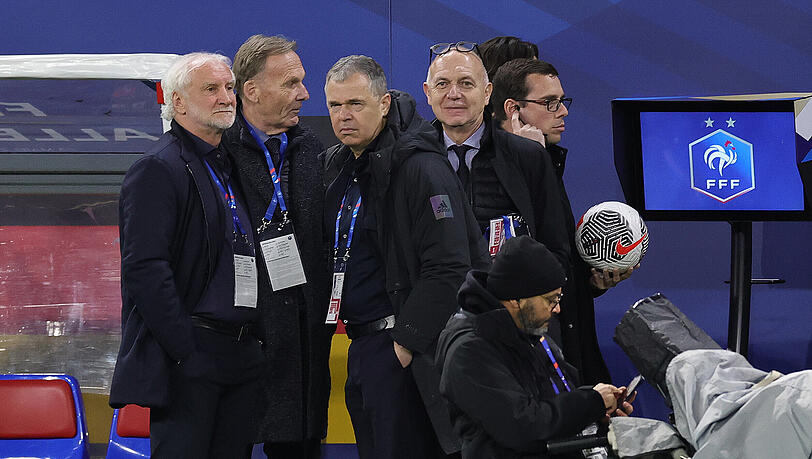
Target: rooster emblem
[{"x": 724, "y": 156}]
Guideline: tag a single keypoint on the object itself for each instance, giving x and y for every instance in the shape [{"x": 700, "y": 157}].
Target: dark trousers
[
  {"x": 305, "y": 449},
  {"x": 387, "y": 412},
  {"x": 212, "y": 395}
]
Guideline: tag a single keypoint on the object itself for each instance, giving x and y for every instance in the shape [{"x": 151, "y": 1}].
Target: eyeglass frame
[
  {"x": 565, "y": 101},
  {"x": 556, "y": 301},
  {"x": 455, "y": 47}
]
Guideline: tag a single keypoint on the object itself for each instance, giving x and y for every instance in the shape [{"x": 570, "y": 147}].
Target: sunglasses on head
[{"x": 462, "y": 46}]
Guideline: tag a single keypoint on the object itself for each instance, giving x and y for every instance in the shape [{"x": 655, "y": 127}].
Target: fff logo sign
[{"x": 722, "y": 165}]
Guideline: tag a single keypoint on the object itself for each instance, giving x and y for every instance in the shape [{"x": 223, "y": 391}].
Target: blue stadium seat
[
  {"x": 129, "y": 433},
  {"x": 42, "y": 416}
]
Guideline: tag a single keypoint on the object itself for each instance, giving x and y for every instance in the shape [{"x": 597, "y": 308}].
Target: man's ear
[
  {"x": 386, "y": 103},
  {"x": 426, "y": 92},
  {"x": 488, "y": 91},
  {"x": 250, "y": 90},
  {"x": 177, "y": 103},
  {"x": 509, "y": 107}
]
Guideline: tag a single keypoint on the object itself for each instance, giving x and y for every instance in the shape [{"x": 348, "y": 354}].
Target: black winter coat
[
  {"x": 497, "y": 382},
  {"x": 296, "y": 381},
  {"x": 426, "y": 251},
  {"x": 579, "y": 339},
  {"x": 171, "y": 226},
  {"x": 525, "y": 172}
]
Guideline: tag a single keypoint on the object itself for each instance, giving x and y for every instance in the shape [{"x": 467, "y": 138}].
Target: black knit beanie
[{"x": 524, "y": 268}]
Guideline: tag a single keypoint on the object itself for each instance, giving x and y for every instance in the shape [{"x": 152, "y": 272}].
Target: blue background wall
[{"x": 603, "y": 50}]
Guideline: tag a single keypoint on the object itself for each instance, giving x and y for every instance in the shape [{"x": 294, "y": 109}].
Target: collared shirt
[
  {"x": 364, "y": 298},
  {"x": 217, "y": 301},
  {"x": 284, "y": 171},
  {"x": 473, "y": 141}
]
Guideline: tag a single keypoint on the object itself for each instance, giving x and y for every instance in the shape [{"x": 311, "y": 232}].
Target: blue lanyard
[
  {"x": 509, "y": 231},
  {"x": 277, "y": 196},
  {"x": 555, "y": 365},
  {"x": 228, "y": 195},
  {"x": 351, "y": 230}
]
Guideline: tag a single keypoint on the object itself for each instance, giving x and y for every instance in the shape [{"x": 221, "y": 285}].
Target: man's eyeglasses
[
  {"x": 462, "y": 46},
  {"x": 555, "y": 301},
  {"x": 552, "y": 104}
]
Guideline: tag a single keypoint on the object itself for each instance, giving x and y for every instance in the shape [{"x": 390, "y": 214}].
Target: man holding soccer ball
[{"x": 528, "y": 100}]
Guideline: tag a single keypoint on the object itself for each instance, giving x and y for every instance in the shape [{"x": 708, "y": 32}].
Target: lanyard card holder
[
  {"x": 503, "y": 228},
  {"x": 245, "y": 272},
  {"x": 340, "y": 263},
  {"x": 279, "y": 248},
  {"x": 281, "y": 254},
  {"x": 245, "y": 267},
  {"x": 336, "y": 291}
]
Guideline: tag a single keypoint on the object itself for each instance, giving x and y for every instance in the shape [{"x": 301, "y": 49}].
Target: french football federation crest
[{"x": 722, "y": 165}]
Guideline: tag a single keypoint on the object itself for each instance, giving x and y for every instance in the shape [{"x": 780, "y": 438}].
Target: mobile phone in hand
[{"x": 630, "y": 388}]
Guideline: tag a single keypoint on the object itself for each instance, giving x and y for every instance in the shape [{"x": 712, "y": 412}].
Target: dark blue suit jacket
[{"x": 171, "y": 225}]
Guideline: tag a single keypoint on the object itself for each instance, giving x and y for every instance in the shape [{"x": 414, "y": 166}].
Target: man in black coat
[
  {"x": 510, "y": 391},
  {"x": 295, "y": 387},
  {"x": 508, "y": 180},
  {"x": 188, "y": 276},
  {"x": 403, "y": 239},
  {"x": 528, "y": 100}
]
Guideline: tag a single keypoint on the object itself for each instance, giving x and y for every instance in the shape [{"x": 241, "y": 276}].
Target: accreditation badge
[
  {"x": 496, "y": 235},
  {"x": 282, "y": 258},
  {"x": 336, "y": 292},
  {"x": 245, "y": 281}
]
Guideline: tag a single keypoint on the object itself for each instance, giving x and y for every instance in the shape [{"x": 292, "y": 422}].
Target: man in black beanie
[{"x": 510, "y": 391}]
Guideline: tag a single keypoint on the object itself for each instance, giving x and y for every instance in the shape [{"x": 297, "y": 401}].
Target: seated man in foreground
[{"x": 511, "y": 392}]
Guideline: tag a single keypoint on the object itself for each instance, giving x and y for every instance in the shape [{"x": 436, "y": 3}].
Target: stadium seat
[
  {"x": 42, "y": 416},
  {"x": 129, "y": 433}
]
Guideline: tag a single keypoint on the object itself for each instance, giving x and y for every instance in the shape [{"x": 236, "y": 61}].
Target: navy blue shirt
[
  {"x": 217, "y": 301},
  {"x": 364, "y": 298}
]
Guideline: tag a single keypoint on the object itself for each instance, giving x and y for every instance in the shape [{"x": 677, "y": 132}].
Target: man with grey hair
[
  {"x": 401, "y": 213},
  {"x": 277, "y": 160},
  {"x": 508, "y": 180},
  {"x": 188, "y": 276}
]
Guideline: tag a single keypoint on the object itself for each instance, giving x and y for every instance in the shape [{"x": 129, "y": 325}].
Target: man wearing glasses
[
  {"x": 508, "y": 180},
  {"x": 510, "y": 390},
  {"x": 528, "y": 100}
]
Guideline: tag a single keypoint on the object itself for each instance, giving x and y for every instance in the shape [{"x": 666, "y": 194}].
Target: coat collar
[
  {"x": 558, "y": 156},
  {"x": 498, "y": 326},
  {"x": 247, "y": 140}
]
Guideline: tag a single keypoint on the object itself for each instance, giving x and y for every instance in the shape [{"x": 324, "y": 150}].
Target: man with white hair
[{"x": 188, "y": 276}]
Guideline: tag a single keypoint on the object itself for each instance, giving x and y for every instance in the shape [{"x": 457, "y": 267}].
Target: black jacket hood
[
  {"x": 480, "y": 311},
  {"x": 474, "y": 296},
  {"x": 410, "y": 131}
]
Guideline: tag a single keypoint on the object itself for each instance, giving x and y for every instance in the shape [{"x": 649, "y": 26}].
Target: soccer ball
[{"x": 611, "y": 235}]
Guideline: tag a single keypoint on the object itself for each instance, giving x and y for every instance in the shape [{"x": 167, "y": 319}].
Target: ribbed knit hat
[{"x": 524, "y": 268}]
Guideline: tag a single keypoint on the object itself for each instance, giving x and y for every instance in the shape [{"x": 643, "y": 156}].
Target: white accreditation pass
[
  {"x": 283, "y": 261},
  {"x": 245, "y": 281},
  {"x": 335, "y": 298}
]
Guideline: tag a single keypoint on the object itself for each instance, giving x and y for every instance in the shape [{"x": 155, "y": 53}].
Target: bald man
[{"x": 508, "y": 180}]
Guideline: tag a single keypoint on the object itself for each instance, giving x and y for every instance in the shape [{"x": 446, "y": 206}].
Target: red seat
[
  {"x": 42, "y": 415},
  {"x": 36, "y": 408},
  {"x": 129, "y": 433},
  {"x": 133, "y": 421}
]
